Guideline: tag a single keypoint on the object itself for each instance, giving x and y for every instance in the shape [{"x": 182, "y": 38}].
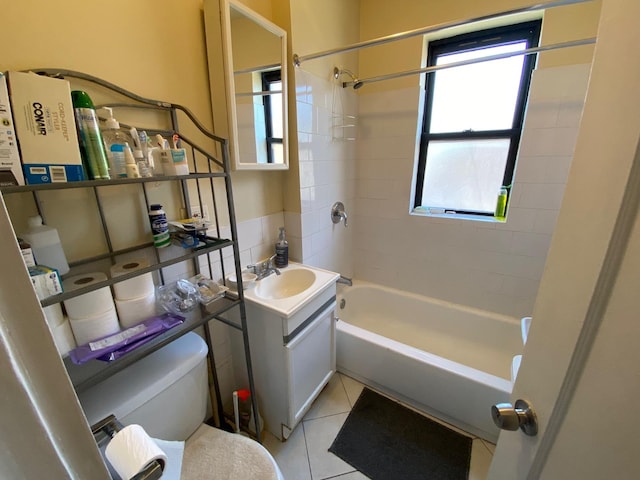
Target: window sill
[{"x": 437, "y": 213}]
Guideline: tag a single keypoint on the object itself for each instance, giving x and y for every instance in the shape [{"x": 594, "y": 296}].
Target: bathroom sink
[
  {"x": 287, "y": 284},
  {"x": 287, "y": 293}
]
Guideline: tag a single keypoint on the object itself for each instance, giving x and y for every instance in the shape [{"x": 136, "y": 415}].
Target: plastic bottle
[
  {"x": 130, "y": 163},
  {"x": 245, "y": 409},
  {"x": 115, "y": 140},
  {"x": 501, "y": 205},
  {"x": 159, "y": 226},
  {"x": 91, "y": 145},
  {"x": 282, "y": 250},
  {"x": 45, "y": 245}
]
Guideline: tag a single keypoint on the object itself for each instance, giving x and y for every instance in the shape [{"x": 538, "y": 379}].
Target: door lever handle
[{"x": 508, "y": 417}]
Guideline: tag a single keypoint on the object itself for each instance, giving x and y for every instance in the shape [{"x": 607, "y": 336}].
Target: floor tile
[
  {"x": 320, "y": 434},
  {"x": 331, "y": 401},
  {"x": 291, "y": 455},
  {"x": 352, "y": 387},
  {"x": 480, "y": 461}
]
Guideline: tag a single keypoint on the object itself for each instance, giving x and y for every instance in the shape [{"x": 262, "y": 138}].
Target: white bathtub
[{"x": 450, "y": 361}]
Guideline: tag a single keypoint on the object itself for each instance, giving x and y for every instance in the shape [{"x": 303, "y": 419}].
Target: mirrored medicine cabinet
[{"x": 248, "y": 81}]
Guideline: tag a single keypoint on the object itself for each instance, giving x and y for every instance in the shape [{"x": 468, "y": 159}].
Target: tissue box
[
  {"x": 45, "y": 280},
  {"x": 10, "y": 167},
  {"x": 45, "y": 125}
]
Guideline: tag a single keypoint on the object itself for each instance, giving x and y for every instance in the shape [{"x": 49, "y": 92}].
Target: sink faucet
[{"x": 265, "y": 268}]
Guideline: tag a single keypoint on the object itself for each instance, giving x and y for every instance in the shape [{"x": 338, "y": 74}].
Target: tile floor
[{"x": 305, "y": 455}]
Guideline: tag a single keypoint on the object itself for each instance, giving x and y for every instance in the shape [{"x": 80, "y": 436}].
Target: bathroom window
[
  {"x": 272, "y": 82},
  {"x": 473, "y": 119}
]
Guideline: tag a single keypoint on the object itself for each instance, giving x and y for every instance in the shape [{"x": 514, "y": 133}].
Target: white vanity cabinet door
[{"x": 310, "y": 362}]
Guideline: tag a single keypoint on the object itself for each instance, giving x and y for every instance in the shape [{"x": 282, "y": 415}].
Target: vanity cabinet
[{"x": 293, "y": 356}]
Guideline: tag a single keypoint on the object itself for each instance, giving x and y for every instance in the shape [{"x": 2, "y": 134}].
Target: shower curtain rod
[
  {"x": 298, "y": 59},
  {"x": 529, "y": 51}
]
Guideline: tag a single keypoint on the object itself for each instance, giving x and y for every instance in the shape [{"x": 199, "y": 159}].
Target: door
[{"x": 580, "y": 365}]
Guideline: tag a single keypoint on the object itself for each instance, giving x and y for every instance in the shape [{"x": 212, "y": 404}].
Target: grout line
[{"x": 306, "y": 448}]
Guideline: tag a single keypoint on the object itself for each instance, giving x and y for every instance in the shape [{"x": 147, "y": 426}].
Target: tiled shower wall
[
  {"x": 327, "y": 173},
  {"x": 492, "y": 266}
]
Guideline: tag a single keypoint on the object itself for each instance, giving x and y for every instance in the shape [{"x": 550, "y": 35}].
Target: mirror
[{"x": 253, "y": 66}]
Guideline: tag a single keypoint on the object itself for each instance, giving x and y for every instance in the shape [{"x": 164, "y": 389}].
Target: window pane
[
  {"x": 464, "y": 174},
  {"x": 277, "y": 153},
  {"x": 481, "y": 96},
  {"x": 276, "y": 110}
]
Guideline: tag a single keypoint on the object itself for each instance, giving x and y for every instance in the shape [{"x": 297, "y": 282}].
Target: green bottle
[
  {"x": 501, "y": 206},
  {"x": 91, "y": 146}
]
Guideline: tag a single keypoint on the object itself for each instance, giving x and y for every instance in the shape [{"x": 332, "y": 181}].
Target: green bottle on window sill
[{"x": 501, "y": 205}]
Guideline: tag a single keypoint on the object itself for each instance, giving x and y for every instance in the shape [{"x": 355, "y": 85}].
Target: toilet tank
[{"x": 166, "y": 392}]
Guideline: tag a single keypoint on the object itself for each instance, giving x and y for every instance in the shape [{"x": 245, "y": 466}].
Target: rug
[{"x": 385, "y": 440}]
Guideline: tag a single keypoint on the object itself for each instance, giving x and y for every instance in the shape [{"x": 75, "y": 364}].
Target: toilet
[{"x": 166, "y": 393}]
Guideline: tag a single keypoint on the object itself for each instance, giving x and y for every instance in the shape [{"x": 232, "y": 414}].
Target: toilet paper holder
[{"x": 106, "y": 428}]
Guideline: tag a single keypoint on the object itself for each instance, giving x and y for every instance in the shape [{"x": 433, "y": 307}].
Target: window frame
[
  {"x": 528, "y": 31},
  {"x": 268, "y": 78}
]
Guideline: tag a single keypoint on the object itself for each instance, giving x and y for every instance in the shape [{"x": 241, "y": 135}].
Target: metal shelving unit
[{"x": 204, "y": 167}]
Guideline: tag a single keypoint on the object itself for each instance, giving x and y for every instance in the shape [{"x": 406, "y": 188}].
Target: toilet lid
[{"x": 211, "y": 453}]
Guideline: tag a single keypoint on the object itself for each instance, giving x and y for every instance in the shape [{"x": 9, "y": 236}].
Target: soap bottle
[
  {"x": 115, "y": 140},
  {"x": 501, "y": 205},
  {"x": 130, "y": 163},
  {"x": 45, "y": 245},
  {"x": 282, "y": 250},
  {"x": 91, "y": 143}
]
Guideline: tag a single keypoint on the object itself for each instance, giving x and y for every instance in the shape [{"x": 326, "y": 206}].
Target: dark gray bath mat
[{"x": 385, "y": 441}]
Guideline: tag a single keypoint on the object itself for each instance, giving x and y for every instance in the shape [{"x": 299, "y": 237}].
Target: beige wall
[
  {"x": 381, "y": 17},
  {"x": 153, "y": 48}
]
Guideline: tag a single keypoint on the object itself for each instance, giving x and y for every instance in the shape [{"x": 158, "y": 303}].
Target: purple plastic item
[{"x": 114, "y": 346}]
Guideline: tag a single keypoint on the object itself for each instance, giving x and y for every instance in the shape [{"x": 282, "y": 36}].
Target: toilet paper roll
[
  {"x": 131, "y": 450},
  {"x": 135, "y": 287},
  {"x": 135, "y": 310},
  {"x": 63, "y": 337},
  {"x": 92, "y": 303},
  {"x": 88, "y": 329},
  {"x": 53, "y": 315}
]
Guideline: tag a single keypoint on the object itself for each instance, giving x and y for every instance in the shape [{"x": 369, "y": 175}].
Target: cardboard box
[
  {"x": 46, "y": 281},
  {"x": 10, "y": 167},
  {"x": 45, "y": 125}
]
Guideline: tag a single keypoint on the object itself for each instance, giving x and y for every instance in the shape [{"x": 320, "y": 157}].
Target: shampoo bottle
[
  {"x": 91, "y": 146},
  {"x": 115, "y": 140},
  {"x": 282, "y": 250},
  {"x": 45, "y": 245}
]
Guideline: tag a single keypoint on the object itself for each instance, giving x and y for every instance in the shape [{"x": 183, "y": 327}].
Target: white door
[{"x": 581, "y": 365}]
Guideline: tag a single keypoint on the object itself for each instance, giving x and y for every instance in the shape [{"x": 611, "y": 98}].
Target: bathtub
[{"x": 450, "y": 361}]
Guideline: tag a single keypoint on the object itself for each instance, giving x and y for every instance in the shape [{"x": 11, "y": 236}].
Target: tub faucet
[
  {"x": 345, "y": 280},
  {"x": 265, "y": 268}
]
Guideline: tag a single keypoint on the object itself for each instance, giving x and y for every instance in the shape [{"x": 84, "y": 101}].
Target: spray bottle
[{"x": 91, "y": 146}]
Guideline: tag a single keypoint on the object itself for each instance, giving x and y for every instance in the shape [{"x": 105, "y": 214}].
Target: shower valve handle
[{"x": 508, "y": 417}]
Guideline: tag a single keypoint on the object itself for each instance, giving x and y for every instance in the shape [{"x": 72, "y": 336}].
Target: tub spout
[{"x": 345, "y": 280}]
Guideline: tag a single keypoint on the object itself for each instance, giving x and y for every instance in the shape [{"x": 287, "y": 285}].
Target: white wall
[
  {"x": 327, "y": 173},
  {"x": 486, "y": 265}
]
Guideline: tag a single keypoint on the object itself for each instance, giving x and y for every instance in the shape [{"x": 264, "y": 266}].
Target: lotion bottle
[{"x": 282, "y": 250}]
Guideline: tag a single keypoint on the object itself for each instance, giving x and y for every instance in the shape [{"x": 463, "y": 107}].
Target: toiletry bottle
[
  {"x": 45, "y": 245},
  {"x": 130, "y": 163},
  {"x": 159, "y": 226},
  {"x": 91, "y": 144},
  {"x": 501, "y": 205},
  {"x": 114, "y": 140},
  {"x": 138, "y": 154},
  {"x": 282, "y": 250}
]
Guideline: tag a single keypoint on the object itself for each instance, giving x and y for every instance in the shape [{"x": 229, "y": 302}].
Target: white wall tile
[{"x": 531, "y": 244}]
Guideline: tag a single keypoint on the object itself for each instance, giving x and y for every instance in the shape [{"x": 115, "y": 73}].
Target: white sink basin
[
  {"x": 287, "y": 284},
  {"x": 296, "y": 286}
]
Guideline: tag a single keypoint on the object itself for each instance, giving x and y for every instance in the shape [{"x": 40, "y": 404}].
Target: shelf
[
  {"x": 106, "y": 183},
  {"x": 220, "y": 243},
  {"x": 95, "y": 371}
]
